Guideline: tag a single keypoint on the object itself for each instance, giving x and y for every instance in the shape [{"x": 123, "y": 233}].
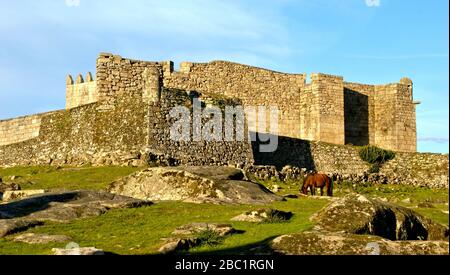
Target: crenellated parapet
[
  {"x": 80, "y": 92},
  {"x": 325, "y": 108}
]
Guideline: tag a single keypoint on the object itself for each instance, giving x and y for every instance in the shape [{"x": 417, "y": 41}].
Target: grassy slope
[
  {"x": 139, "y": 231},
  {"x": 50, "y": 178},
  {"x": 408, "y": 196}
]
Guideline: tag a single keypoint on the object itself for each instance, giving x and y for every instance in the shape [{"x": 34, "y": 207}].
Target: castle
[
  {"x": 124, "y": 109},
  {"x": 327, "y": 109}
]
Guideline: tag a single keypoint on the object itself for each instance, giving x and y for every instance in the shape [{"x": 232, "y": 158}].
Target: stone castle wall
[
  {"x": 330, "y": 92},
  {"x": 328, "y": 109},
  {"x": 253, "y": 86},
  {"x": 80, "y": 92},
  {"x": 131, "y": 132},
  {"x": 343, "y": 162},
  {"x": 19, "y": 129},
  {"x": 121, "y": 118},
  {"x": 405, "y": 119},
  {"x": 191, "y": 152},
  {"x": 359, "y": 113},
  {"x": 117, "y": 76}
]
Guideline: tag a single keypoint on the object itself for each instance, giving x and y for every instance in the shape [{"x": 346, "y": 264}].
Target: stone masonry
[
  {"x": 327, "y": 109},
  {"x": 121, "y": 117}
]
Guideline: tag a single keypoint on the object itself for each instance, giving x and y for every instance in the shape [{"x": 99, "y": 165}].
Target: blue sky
[{"x": 369, "y": 41}]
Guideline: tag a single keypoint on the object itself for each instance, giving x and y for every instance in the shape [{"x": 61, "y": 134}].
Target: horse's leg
[
  {"x": 330, "y": 188},
  {"x": 321, "y": 191}
]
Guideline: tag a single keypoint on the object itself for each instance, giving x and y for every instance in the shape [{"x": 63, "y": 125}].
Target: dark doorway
[
  {"x": 356, "y": 117},
  {"x": 290, "y": 151}
]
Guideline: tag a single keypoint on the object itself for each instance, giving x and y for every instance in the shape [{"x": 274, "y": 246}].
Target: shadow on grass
[
  {"x": 25, "y": 207},
  {"x": 257, "y": 248}
]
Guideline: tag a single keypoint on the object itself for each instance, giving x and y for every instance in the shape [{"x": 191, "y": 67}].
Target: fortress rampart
[
  {"x": 80, "y": 92},
  {"x": 19, "y": 129},
  {"x": 121, "y": 117},
  {"x": 326, "y": 109}
]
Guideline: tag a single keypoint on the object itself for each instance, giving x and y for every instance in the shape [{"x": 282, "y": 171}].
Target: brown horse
[{"x": 317, "y": 180}]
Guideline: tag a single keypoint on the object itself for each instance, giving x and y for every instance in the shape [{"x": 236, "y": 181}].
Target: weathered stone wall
[
  {"x": 19, "y": 129},
  {"x": 327, "y": 110},
  {"x": 316, "y": 156},
  {"x": 423, "y": 169},
  {"x": 309, "y": 114},
  {"x": 84, "y": 135},
  {"x": 384, "y": 105},
  {"x": 130, "y": 119},
  {"x": 54, "y": 140},
  {"x": 235, "y": 153},
  {"x": 344, "y": 163},
  {"x": 80, "y": 92},
  {"x": 130, "y": 132},
  {"x": 117, "y": 76},
  {"x": 359, "y": 113},
  {"x": 330, "y": 91},
  {"x": 381, "y": 115},
  {"x": 253, "y": 86},
  {"x": 405, "y": 119}
]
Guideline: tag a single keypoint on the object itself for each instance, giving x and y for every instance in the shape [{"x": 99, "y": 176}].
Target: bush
[
  {"x": 374, "y": 168},
  {"x": 375, "y": 155},
  {"x": 209, "y": 237},
  {"x": 275, "y": 216}
]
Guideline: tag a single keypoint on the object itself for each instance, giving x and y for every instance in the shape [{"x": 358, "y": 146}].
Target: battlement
[
  {"x": 80, "y": 92},
  {"x": 325, "y": 109}
]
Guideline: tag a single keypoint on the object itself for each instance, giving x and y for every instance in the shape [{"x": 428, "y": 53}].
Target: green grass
[
  {"x": 392, "y": 193},
  {"x": 396, "y": 192},
  {"x": 68, "y": 178},
  {"x": 139, "y": 231},
  {"x": 404, "y": 195},
  {"x": 434, "y": 214}
]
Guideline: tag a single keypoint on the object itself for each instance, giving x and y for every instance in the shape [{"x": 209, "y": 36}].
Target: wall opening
[
  {"x": 290, "y": 151},
  {"x": 356, "y": 118}
]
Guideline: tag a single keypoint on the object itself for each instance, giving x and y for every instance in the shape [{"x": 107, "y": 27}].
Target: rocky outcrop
[
  {"x": 190, "y": 235},
  {"x": 83, "y": 251},
  {"x": 356, "y": 225},
  {"x": 4, "y": 187},
  {"x": 195, "y": 228},
  {"x": 221, "y": 185},
  {"x": 11, "y": 226},
  {"x": 32, "y": 238},
  {"x": 336, "y": 243},
  {"x": 60, "y": 207},
  {"x": 264, "y": 215},
  {"x": 20, "y": 194},
  {"x": 359, "y": 215}
]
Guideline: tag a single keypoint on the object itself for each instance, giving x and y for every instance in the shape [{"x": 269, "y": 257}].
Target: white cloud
[
  {"x": 373, "y": 3},
  {"x": 73, "y": 3},
  {"x": 398, "y": 57},
  {"x": 152, "y": 27},
  {"x": 434, "y": 139}
]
